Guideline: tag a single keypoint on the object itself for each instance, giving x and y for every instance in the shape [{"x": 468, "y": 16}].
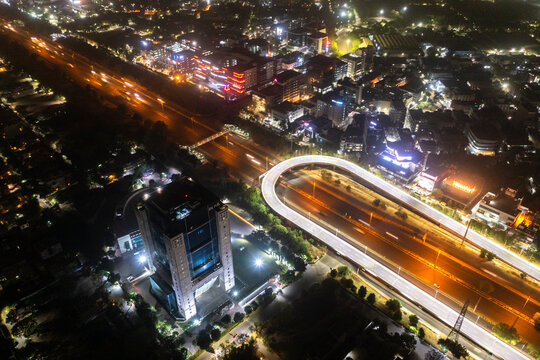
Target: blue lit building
[
  {"x": 400, "y": 157},
  {"x": 186, "y": 234}
]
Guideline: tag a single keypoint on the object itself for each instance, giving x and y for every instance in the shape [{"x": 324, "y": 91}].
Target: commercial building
[
  {"x": 321, "y": 67},
  {"x": 400, "y": 156},
  {"x": 286, "y": 113},
  {"x": 483, "y": 139},
  {"x": 355, "y": 64},
  {"x": 501, "y": 208},
  {"x": 232, "y": 75},
  {"x": 292, "y": 83},
  {"x": 186, "y": 235},
  {"x": 462, "y": 189},
  {"x": 429, "y": 178}
]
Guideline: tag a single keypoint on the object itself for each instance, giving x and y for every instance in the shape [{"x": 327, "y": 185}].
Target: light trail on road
[{"x": 444, "y": 312}]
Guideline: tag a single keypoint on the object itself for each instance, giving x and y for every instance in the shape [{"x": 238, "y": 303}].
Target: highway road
[
  {"x": 460, "y": 274},
  {"x": 428, "y": 212},
  {"x": 185, "y": 127},
  {"x": 411, "y": 291}
]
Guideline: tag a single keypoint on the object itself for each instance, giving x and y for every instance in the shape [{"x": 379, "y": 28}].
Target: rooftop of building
[
  {"x": 285, "y": 107},
  {"x": 272, "y": 90},
  {"x": 325, "y": 61},
  {"x": 286, "y": 76},
  {"x": 399, "y": 42},
  {"x": 484, "y": 131},
  {"x": 505, "y": 201},
  {"x": 180, "y": 193}
]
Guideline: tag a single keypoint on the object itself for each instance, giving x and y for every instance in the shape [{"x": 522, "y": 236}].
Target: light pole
[
  {"x": 523, "y": 307},
  {"x": 161, "y": 102},
  {"x": 370, "y": 217},
  {"x": 314, "y": 182},
  {"x": 475, "y": 306}
]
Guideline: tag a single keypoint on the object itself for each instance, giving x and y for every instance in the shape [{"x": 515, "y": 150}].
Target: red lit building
[{"x": 230, "y": 76}]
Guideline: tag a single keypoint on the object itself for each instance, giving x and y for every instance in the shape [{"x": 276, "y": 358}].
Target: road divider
[{"x": 409, "y": 290}]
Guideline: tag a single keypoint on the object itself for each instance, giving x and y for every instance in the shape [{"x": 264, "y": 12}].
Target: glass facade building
[{"x": 186, "y": 235}]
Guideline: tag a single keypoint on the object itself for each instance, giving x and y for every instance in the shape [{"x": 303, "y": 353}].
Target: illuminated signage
[{"x": 462, "y": 187}]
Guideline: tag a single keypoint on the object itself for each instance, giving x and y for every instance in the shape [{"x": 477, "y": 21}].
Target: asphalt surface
[{"x": 411, "y": 291}]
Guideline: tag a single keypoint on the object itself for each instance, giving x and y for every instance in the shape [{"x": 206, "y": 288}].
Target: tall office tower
[{"x": 186, "y": 234}]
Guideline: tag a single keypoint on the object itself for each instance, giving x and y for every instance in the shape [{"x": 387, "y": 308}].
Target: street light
[
  {"x": 142, "y": 259},
  {"x": 235, "y": 293},
  {"x": 258, "y": 263},
  {"x": 161, "y": 102}
]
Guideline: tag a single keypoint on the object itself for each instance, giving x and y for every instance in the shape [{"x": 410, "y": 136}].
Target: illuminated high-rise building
[{"x": 186, "y": 234}]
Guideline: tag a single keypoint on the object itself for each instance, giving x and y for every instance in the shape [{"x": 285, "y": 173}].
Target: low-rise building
[{"x": 501, "y": 208}]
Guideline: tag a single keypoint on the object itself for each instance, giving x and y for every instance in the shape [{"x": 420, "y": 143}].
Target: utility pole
[
  {"x": 466, "y": 231},
  {"x": 454, "y": 333}
]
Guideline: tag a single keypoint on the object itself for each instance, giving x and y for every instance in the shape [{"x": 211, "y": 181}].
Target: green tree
[
  {"x": 203, "y": 339},
  {"x": 413, "y": 320},
  {"x": 408, "y": 344},
  {"x": 490, "y": 256},
  {"x": 371, "y": 298},
  {"x": 454, "y": 347},
  {"x": 226, "y": 319},
  {"x": 245, "y": 351},
  {"x": 333, "y": 273},
  {"x": 215, "y": 334},
  {"x": 248, "y": 309},
  {"x": 362, "y": 292},
  {"x": 347, "y": 283},
  {"x": 343, "y": 270},
  {"x": 393, "y": 305},
  {"x": 536, "y": 318},
  {"x": 506, "y": 333},
  {"x": 238, "y": 317},
  {"x": 421, "y": 333},
  {"x": 483, "y": 253}
]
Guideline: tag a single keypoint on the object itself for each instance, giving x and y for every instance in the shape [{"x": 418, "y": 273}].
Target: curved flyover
[{"x": 445, "y": 313}]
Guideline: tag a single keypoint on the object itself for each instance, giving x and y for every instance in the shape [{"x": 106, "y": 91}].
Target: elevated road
[
  {"x": 444, "y": 312},
  {"x": 417, "y": 205}
]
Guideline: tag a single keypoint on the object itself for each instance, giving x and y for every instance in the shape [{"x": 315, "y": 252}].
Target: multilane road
[
  {"x": 459, "y": 273},
  {"x": 409, "y": 290}
]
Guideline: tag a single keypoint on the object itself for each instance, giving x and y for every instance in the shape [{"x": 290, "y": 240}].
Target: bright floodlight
[
  {"x": 258, "y": 262},
  {"x": 235, "y": 293},
  {"x": 196, "y": 322},
  {"x": 142, "y": 259}
]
